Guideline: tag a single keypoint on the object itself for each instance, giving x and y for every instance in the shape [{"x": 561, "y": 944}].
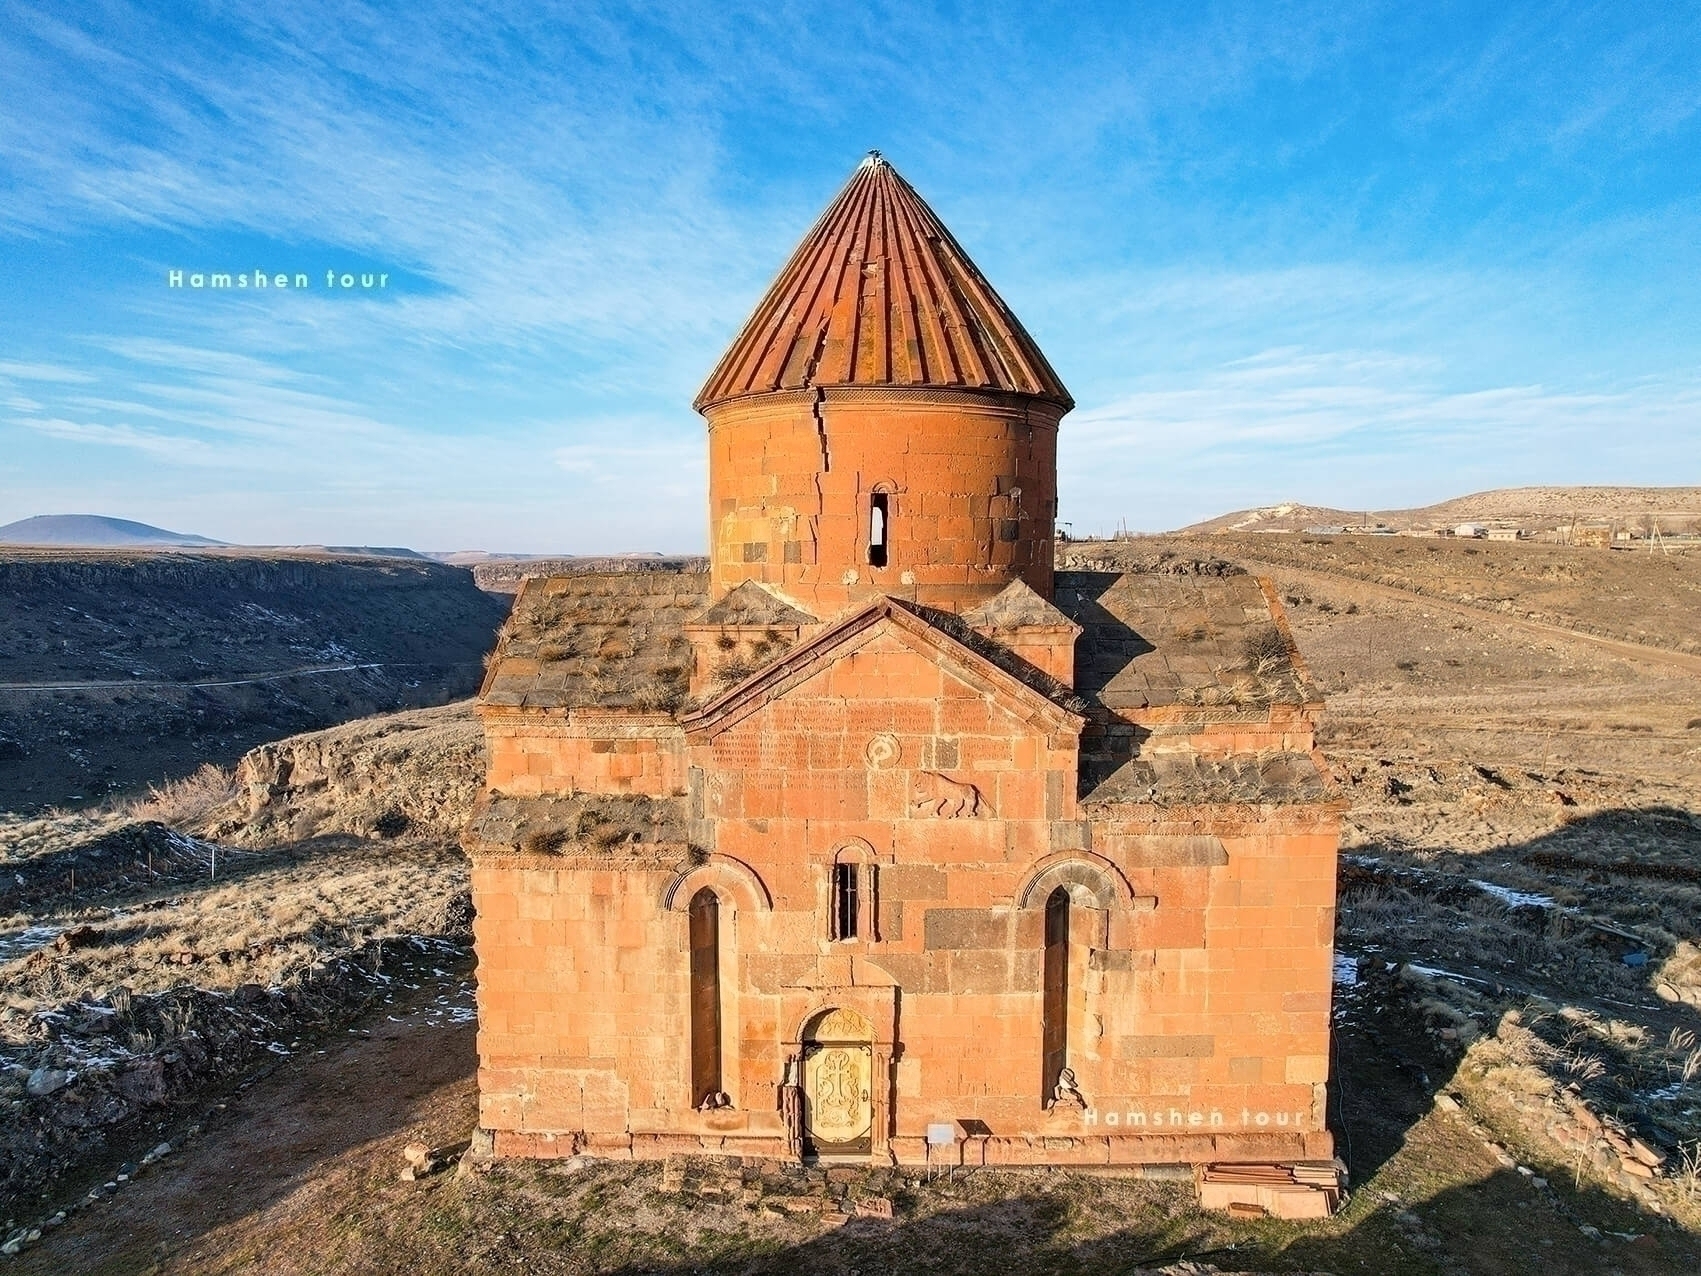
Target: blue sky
[{"x": 1352, "y": 254}]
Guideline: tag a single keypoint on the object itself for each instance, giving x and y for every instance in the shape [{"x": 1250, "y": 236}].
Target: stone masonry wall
[
  {"x": 530, "y": 756},
  {"x": 971, "y": 483},
  {"x": 1200, "y": 972}
]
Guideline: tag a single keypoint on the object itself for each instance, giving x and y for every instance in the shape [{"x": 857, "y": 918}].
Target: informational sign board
[{"x": 941, "y": 1134}]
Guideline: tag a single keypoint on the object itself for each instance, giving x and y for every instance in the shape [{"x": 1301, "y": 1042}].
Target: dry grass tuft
[
  {"x": 1264, "y": 649},
  {"x": 546, "y": 841},
  {"x": 182, "y": 803},
  {"x": 276, "y": 915}
]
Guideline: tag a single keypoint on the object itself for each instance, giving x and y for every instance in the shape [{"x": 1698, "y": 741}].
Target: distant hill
[
  {"x": 1534, "y": 509},
  {"x": 93, "y": 529},
  {"x": 351, "y": 551},
  {"x": 470, "y": 557}
]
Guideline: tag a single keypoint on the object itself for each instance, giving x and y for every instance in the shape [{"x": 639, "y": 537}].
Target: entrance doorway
[{"x": 838, "y": 1082}]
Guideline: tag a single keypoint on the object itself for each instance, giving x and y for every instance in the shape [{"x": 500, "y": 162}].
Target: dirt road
[
  {"x": 243, "y": 680},
  {"x": 289, "y": 1152}
]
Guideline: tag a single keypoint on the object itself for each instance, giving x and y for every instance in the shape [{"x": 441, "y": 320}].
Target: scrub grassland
[{"x": 267, "y": 968}]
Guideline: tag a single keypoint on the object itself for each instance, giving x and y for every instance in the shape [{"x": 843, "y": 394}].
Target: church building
[{"x": 882, "y": 840}]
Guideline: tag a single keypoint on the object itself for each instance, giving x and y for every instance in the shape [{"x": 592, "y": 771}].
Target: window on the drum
[{"x": 879, "y": 529}]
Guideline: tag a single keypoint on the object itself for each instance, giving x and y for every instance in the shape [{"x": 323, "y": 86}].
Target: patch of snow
[
  {"x": 1511, "y": 898},
  {"x": 273, "y": 617},
  {"x": 1346, "y": 970},
  {"x": 1665, "y": 1094},
  {"x": 1436, "y": 973},
  {"x": 21, "y": 943},
  {"x": 100, "y": 1062}
]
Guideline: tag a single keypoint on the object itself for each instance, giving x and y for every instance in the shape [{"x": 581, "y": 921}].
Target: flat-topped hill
[{"x": 1535, "y": 509}]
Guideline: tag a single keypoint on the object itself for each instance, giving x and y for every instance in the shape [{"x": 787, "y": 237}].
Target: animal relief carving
[{"x": 944, "y": 798}]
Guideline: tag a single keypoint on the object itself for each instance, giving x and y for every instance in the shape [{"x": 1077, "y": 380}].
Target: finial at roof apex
[{"x": 875, "y": 160}]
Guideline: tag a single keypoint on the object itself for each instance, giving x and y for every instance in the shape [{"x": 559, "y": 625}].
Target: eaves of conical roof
[{"x": 879, "y": 294}]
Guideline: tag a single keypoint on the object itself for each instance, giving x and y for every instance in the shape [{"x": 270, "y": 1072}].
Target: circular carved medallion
[{"x": 883, "y": 750}]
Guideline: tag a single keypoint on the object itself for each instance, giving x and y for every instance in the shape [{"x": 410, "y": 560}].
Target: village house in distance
[{"x": 882, "y": 840}]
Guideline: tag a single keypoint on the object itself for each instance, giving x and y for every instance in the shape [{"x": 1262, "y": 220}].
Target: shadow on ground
[{"x": 1498, "y": 1226}]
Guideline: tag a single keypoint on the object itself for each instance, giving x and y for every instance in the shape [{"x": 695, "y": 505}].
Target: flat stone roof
[
  {"x": 1191, "y": 779},
  {"x": 612, "y": 640},
  {"x": 1203, "y": 635},
  {"x": 618, "y": 828}
]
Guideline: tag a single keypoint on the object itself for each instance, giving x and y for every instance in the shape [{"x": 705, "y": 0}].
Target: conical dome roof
[{"x": 879, "y": 294}]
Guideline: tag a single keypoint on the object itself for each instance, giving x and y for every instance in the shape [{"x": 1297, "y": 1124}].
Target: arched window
[
  {"x": 845, "y": 901},
  {"x": 705, "y": 924},
  {"x": 879, "y": 529},
  {"x": 852, "y": 905},
  {"x": 1056, "y": 1009}
]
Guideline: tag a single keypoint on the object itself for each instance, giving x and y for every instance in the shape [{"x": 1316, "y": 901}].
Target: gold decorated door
[{"x": 838, "y": 1075}]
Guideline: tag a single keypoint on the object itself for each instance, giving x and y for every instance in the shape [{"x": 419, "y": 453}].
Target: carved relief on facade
[
  {"x": 939, "y": 796},
  {"x": 883, "y": 751}
]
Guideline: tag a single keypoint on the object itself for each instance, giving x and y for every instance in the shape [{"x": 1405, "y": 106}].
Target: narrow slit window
[
  {"x": 845, "y": 901},
  {"x": 879, "y": 526},
  {"x": 1055, "y": 1030},
  {"x": 705, "y": 927}
]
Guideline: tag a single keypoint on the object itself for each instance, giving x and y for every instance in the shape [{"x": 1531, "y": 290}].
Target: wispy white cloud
[
  {"x": 175, "y": 448},
  {"x": 1255, "y": 239},
  {"x": 1359, "y": 428},
  {"x": 14, "y": 371},
  {"x": 677, "y": 465},
  {"x": 1298, "y": 397}
]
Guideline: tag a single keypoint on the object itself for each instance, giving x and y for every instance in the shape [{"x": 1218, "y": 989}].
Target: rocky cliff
[{"x": 121, "y": 669}]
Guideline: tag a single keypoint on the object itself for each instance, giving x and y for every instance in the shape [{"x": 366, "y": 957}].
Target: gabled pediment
[
  {"x": 1017, "y": 607},
  {"x": 1034, "y": 698},
  {"x": 751, "y": 605}
]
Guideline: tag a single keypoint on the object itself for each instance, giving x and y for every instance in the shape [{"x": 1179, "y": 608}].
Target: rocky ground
[
  {"x": 143, "y": 961},
  {"x": 343, "y": 1157},
  {"x": 1517, "y": 1078}
]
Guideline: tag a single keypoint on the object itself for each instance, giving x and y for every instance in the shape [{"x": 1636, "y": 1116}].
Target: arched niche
[
  {"x": 734, "y": 881},
  {"x": 837, "y": 1023},
  {"x": 855, "y": 851},
  {"x": 867, "y": 1013},
  {"x": 1090, "y": 880}
]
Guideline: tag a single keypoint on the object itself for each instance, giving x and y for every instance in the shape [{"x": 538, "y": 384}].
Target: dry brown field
[{"x": 1518, "y": 731}]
